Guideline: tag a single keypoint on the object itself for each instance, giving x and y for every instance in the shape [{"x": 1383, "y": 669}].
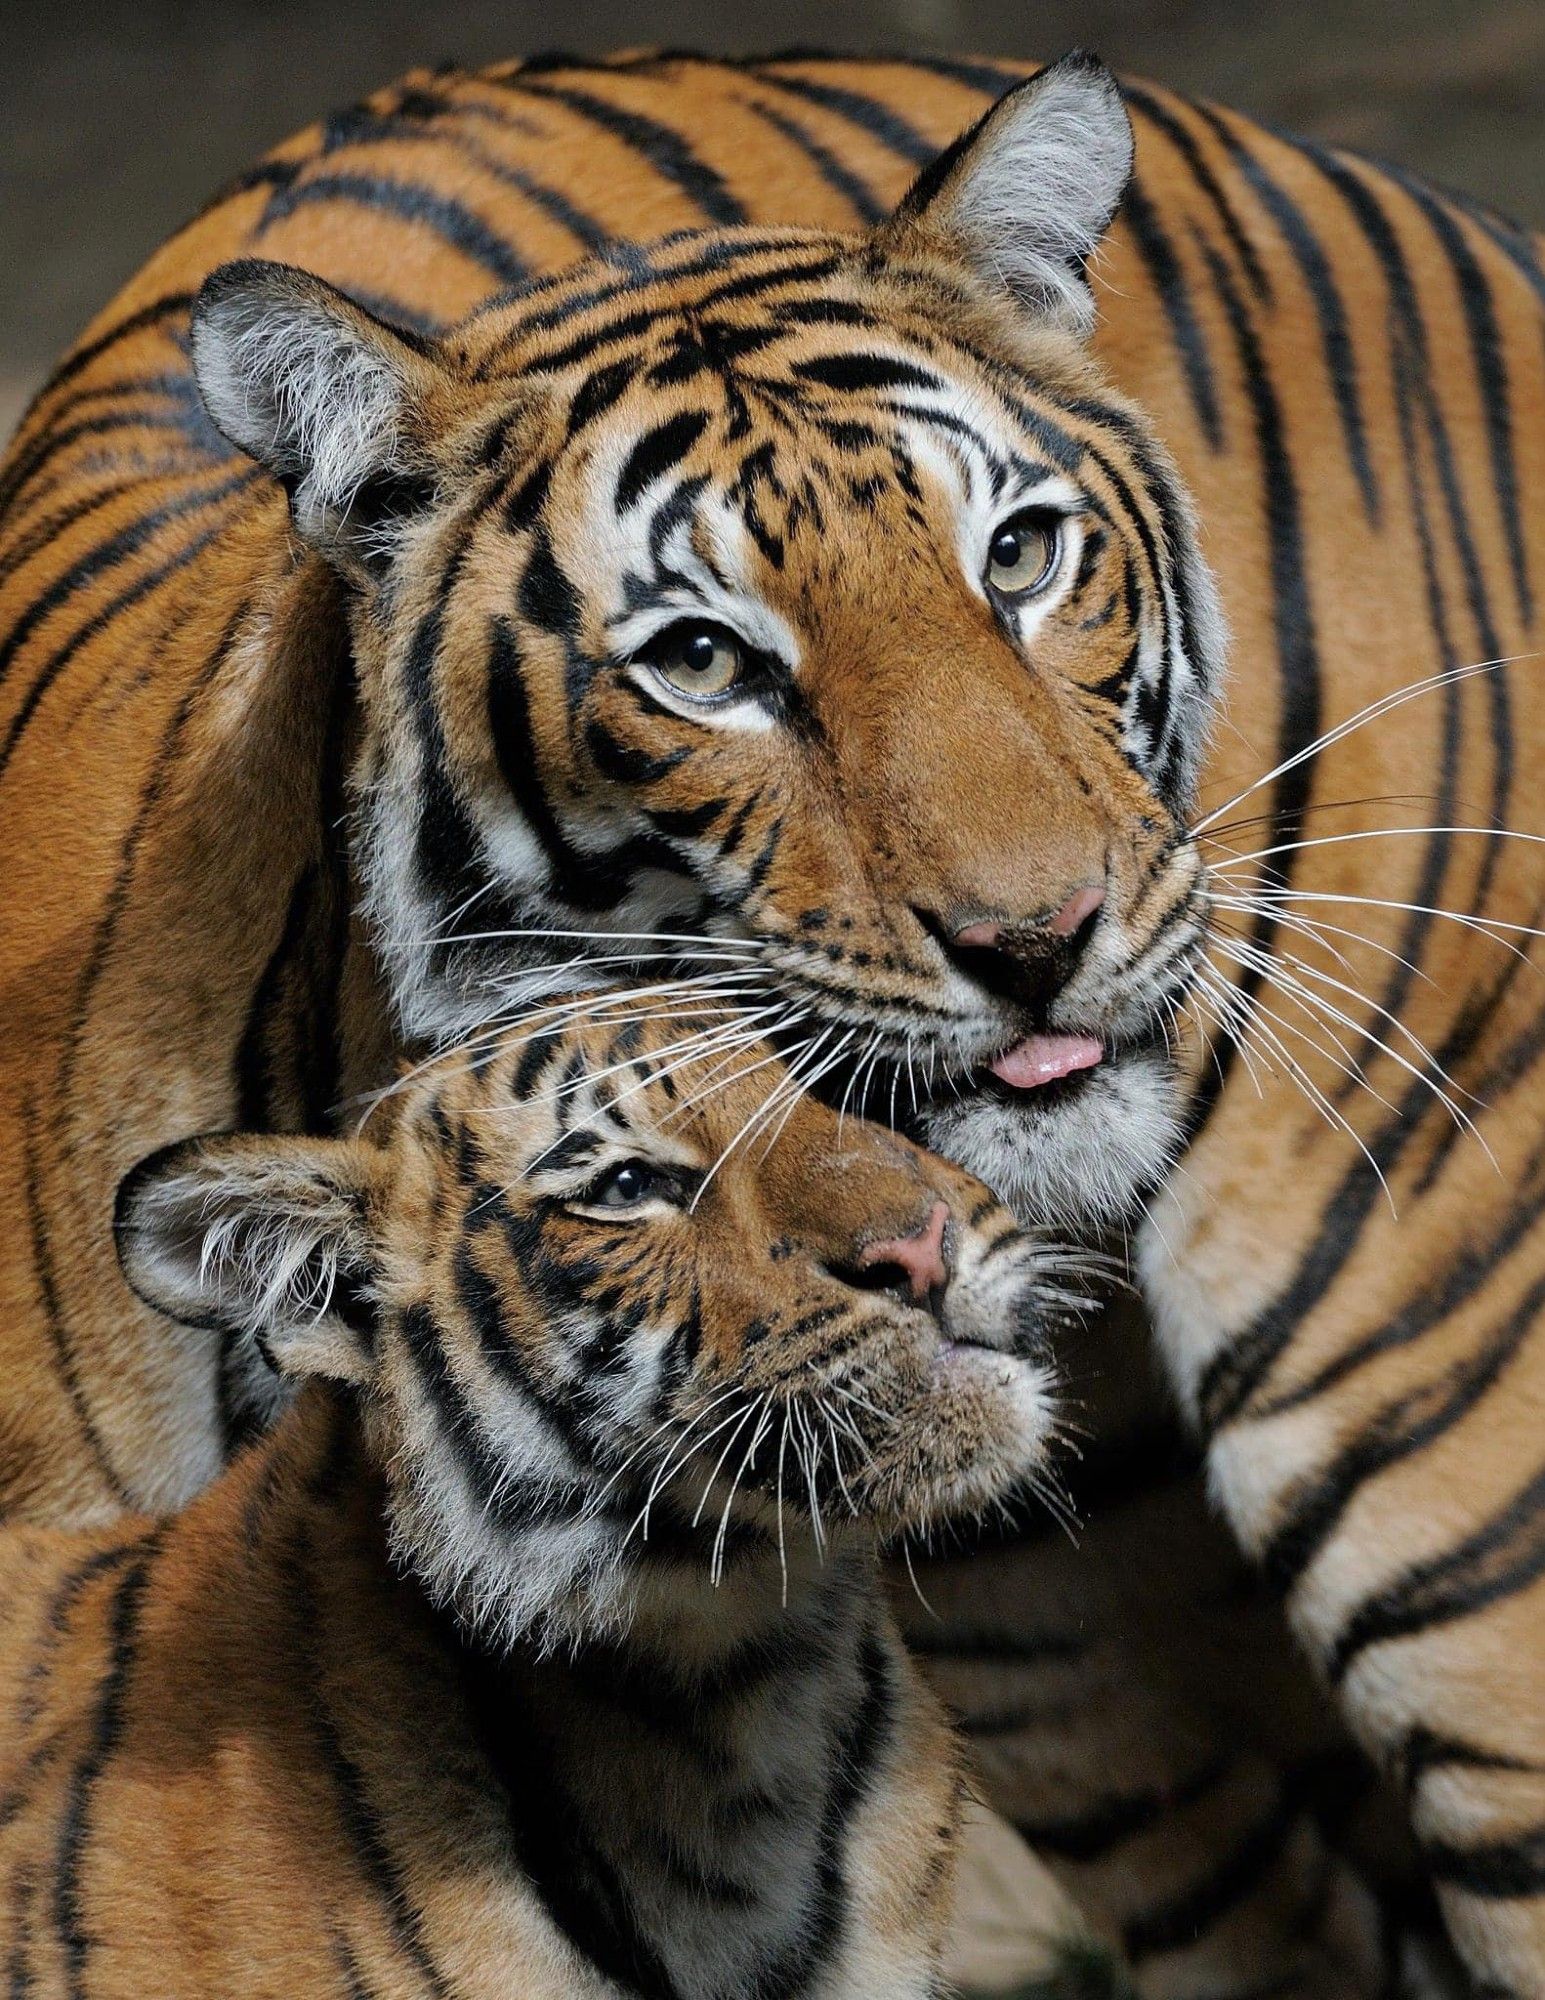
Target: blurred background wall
[{"x": 118, "y": 118}]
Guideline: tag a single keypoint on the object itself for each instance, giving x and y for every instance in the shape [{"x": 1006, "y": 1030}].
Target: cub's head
[
  {"x": 812, "y": 593},
  {"x": 591, "y": 1314}
]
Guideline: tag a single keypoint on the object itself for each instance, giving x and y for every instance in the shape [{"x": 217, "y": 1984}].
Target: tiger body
[
  {"x": 1348, "y": 369},
  {"x": 492, "y": 1667}
]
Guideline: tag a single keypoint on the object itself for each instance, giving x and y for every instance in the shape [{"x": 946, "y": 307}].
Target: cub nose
[{"x": 916, "y": 1262}]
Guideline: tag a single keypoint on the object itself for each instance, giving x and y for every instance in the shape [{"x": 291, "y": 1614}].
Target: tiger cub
[{"x": 539, "y": 1648}]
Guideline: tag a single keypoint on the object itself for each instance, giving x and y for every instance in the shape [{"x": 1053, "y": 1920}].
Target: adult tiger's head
[
  {"x": 809, "y": 592},
  {"x": 583, "y": 1320}
]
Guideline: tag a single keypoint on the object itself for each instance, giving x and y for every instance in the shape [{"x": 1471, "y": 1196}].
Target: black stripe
[
  {"x": 855, "y": 1755},
  {"x": 1510, "y": 1867},
  {"x": 53, "y": 1306},
  {"x": 115, "y": 901},
  {"x": 579, "y": 879},
  {"x": 1168, "y": 279},
  {"x": 1465, "y": 1274},
  {"x": 436, "y": 122},
  {"x": 108, "y": 555},
  {"x": 838, "y": 176},
  {"x": 447, "y": 844},
  {"x": 1500, "y": 1075},
  {"x": 1498, "y": 1560},
  {"x": 1108, "y": 1822},
  {"x": 169, "y": 413},
  {"x": 863, "y": 374},
  {"x": 657, "y": 452},
  {"x": 1400, "y": 1430},
  {"x": 1178, "y": 1924},
  {"x": 665, "y": 150},
  {"x": 626, "y": 764},
  {"x": 509, "y": 1502},
  {"x": 1437, "y": 847},
  {"x": 534, "y": 1058},
  {"x": 550, "y": 1833},
  {"x": 989, "y": 79},
  {"x": 451, "y": 221},
  {"x": 597, "y": 394},
  {"x": 1184, "y": 142},
  {"x": 483, "y": 1308},
  {"x": 359, "y": 1820},
  {"x": 1478, "y": 304},
  {"x": 1298, "y": 668},
  {"x": 1368, "y": 211},
  {"x": 1232, "y": 1379},
  {"x": 18, "y": 1970},
  {"x": 1426, "y": 1750},
  {"x": 173, "y": 306},
  {"x": 75, "y": 1941},
  {"x": 42, "y": 534},
  {"x": 1415, "y": 384},
  {"x": 867, "y": 113},
  {"x": 1330, "y": 311},
  {"x": 99, "y": 621}
]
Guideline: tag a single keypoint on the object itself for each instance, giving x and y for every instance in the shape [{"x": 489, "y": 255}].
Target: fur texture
[{"x": 1347, "y": 367}]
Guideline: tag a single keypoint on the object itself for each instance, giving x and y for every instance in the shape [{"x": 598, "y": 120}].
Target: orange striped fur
[{"x": 1347, "y": 367}]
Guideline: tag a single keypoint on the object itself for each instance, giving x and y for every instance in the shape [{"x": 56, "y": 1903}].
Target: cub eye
[
  {"x": 626, "y": 1186},
  {"x": 1023, "y": 554},
  {"x": 703, "y": 662}
]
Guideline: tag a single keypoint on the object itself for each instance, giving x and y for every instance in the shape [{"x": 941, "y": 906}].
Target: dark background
[{"x": 117, "y": 119}]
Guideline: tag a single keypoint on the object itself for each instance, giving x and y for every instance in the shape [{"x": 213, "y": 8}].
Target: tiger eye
[
  {"x": 1022, "y": 556},
  {"x": 698, "y": 661}
]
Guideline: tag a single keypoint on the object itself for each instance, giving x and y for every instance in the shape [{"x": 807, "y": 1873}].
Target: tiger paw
[{"x": 1016, "y": 1933}]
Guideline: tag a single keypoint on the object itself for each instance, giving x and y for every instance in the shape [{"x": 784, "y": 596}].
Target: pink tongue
[{"x": 1042, "y": 1059}]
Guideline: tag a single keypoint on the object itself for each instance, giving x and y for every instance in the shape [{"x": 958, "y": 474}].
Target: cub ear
[
  {"x": 265, "y": 1239},
  {"x": 1026, "y": 195},
  {"x": 324, "y": 395}
]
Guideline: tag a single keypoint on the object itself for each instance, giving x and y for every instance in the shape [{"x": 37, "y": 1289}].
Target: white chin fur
[{"x": 1078, "y": 1164}]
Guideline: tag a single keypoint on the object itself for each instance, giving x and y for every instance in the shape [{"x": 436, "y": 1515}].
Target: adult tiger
[{"x": 928, "y": 477}]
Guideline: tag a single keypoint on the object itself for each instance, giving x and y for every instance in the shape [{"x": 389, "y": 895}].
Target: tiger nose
[
  {"x": 917, "y": 1259},
  {"x": 1065, "y": 923},
  {"x": 1026, "y": 963}
]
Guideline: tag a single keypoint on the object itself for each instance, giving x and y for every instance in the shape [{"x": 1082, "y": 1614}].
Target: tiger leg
[{"x": 1376, "y": 1446}]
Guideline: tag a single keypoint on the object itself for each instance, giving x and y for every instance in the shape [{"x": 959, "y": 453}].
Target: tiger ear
[
  {"x": 267, "y": 1240},
  {"x": 324, "y": 395},
  {"x": 1025, "y": 197}
]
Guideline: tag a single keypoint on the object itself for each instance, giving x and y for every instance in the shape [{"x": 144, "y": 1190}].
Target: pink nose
[
  {"x": 920, "y": 1257},
  {"x": 1073, "y": 915}
]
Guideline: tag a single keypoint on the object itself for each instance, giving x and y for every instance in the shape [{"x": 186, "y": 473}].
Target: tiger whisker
[
  {"x": 1262, "y": 898},
  {"x": 715, "y": 1080},
  {"x": 716, "y": 1559},
  {"x": 678, "y": 1457},
  {"x": 1429, "y": 1062},
  {"x": 743, "y": 1418},
  {"x": 754, "y": 1120},
  {"x": 1301, "y": 1076},
  {"x": 1372, "y": 712},
  {"x": 1376, "y": 833},
  {"x": 1336, "y": 1053},
  {"x": 831, "y": 1061},
  {"x": 1317, "y": 931},
  {"x": 1318, "y": 806}
]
